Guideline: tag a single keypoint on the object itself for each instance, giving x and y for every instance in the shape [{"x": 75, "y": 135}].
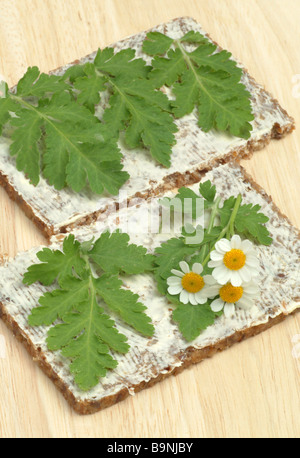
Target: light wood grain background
[{"x": 250, "y": 390}]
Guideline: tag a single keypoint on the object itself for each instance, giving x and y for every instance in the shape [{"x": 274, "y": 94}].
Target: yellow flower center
[
  {"x": 192, "y": 282},
  {"x": 234, "y": 259},
  {"x": 231, "y": 294}
]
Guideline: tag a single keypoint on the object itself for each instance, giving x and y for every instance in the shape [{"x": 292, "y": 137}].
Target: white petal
[
  {"x": 200, "y": 297},
  {"x": 216, "y": 256},
  {"x": 236, "y": 242},
  {"x": 177, "y": 272},
  {"x": 217, "y": 305},
  {"x": 245, "y": 274},
  {"x": 211, "y": 291},
  {"x": 214, "y": 264},
  {"x": 245, "y": 303},
  {"x": 184, "y": 267},
  {"x": 184, "y": 296},
  {"x": 197, "y": 268},
  {"x": 192, "y": 299},
  {"x": 246, "y": 246},
  {"x": 235, "y": 278},
  {"x": 209, "y": 280},
  {"x": 174, "y": 289},
  {"x": 221, "y": 274},
  {"x": 251, "y": 261},
  {"x": 251, "y": 288},
  {"x": 173, "y": 281},
  {"x": 222, "y": 246},
  {"x": 229, "y": 310}
]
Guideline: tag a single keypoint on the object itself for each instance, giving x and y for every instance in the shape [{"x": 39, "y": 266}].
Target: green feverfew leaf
[
  {"x": 114, "y": 254},
  {"x": 170, "y": 253},
  {"x": 203, "y": 79},
  {"x": 166, "y": 71},
  {"x": 56, "y": 264},
  {"x": 54, "y": 135},
  {"x": 57, "y": 303},
  {"x": 208, "y": 191},
  {"x": 7, "y": 105},
  {"x": 89, "y": 87},
  {"x": 226, "y": 210},
  {"x": 192, "y": 319},
  {"x": 134, "y": 105},
  {"x": 124, "y": 302},
  {"x": 250, "y": 221},
  {"x": 83, "y": 337},
  {"x": 194, "y": 37},
  {"x": 121, "y": 63},
  {"x": 24, "y": 146},
  {"x": 76, "y": 313},
  {"x": 186, "y": 202},
  {"x": 39, "y": 84},
  {"x": 156, "y": 43}
]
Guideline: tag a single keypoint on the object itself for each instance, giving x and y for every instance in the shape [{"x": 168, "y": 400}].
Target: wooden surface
[{"x": 250, "y": 390}]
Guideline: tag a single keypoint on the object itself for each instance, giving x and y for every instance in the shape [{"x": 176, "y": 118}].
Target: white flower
[
  {"x": 233, "y": 261},
  {"x": 233, "y": 296},
  {"x": 190, "y": 284}
]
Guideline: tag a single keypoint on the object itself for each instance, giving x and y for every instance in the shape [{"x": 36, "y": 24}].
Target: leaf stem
[
  {"x": 228, "y": 230},
  {"x": 213, "y": 215}
]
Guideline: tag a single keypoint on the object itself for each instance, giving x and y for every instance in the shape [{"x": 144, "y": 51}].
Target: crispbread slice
[
  {"x": 151, "y": 360},
  {"x": 55, "y": 211}
]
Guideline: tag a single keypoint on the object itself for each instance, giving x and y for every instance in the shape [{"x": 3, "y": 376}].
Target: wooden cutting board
[{"x": 250, "y": 390}]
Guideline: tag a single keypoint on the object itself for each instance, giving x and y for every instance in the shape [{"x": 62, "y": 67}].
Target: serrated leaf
[
  {"x": 194, "y": 37},
  {"x": 203, "y": 79},
  {"x": 223, "y": 104},
  {"x": 7, "y": 105},
  {"x": 144, "y": 117},
  {"x": 156, "y": 43},
  {"x": 121, "y": 63},
  {"x": 82, "y": 338},
  {"x": 58, "y": 137},
  {"x": 142, "y": 111},
  {"x": 24, "y": 146},
  {"x": 192, "y": 319},
  {"x": 187, "y": 202},
  {"x": 85, "y": 333},
  {"x": 166, "y": 71},
  {"x": 220, "y": 61},
  {"x": 81, "y": 158},
  {"x": 56, "y": 264},
  {"x": 170, "y": 253},
  {"x": 250, "y": 220},
  {"x": 225, "y": 211},
  {"x": 207, "y": 190},
  {"x": 27, "y": 81},
  {"x": 86, "y": 165},
  {"x": 57, "y": 303},
  {"x": 114, "y": 254},
  {"x": 125, "y": 303},
  {"x": 39, "y": 84},
  {"x": 89, "y": 87}
]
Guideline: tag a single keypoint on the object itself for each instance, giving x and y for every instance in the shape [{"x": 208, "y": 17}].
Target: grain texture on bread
[
  {"x": 151, "y": 360},
  {"x": 56, "y": 211}
]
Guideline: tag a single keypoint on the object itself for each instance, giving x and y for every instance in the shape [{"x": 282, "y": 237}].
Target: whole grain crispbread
[
  {"x": 150, "y": 360},
  {"x": 57, "y": 211}
]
